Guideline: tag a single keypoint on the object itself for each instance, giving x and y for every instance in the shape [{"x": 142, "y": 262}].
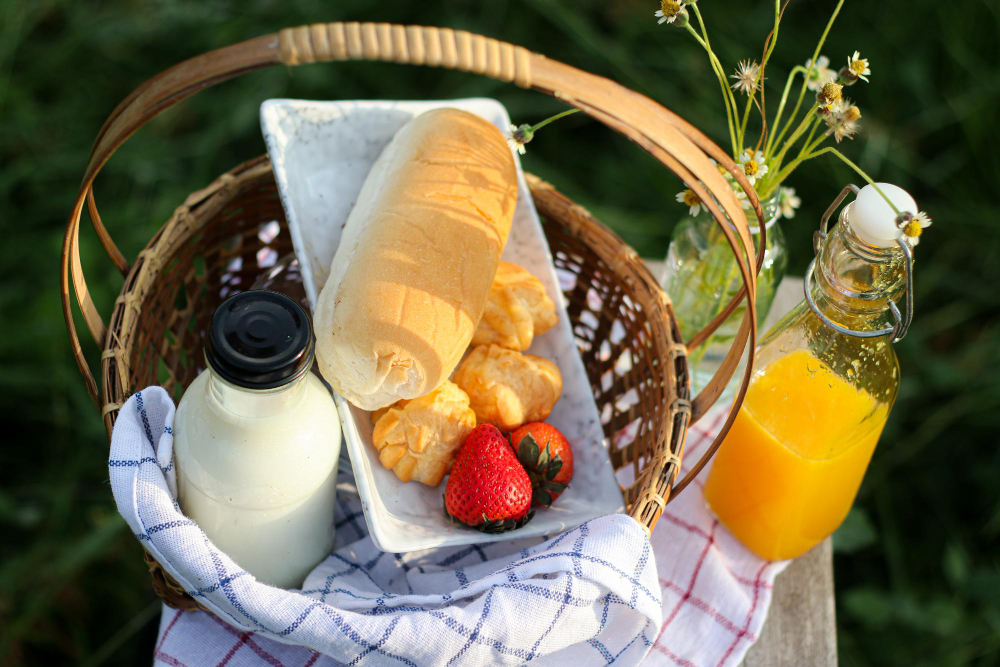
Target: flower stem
[
  {"x": 808, "y": 146},
  {"x": 759, "y": 80},
  {"x": 792, "y": 139},
  {"x": 781, "y": 107},
  {"x": 535, "y": 128},
  {"x": 732, "y": 268},
  {"x": 812, "y": 64},
  {"x": 727, "y": 94}
]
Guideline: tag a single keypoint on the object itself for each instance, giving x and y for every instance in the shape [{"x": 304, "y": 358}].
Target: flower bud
[
  {"x": 831, "y": 92},
  {"x": 846, "y": 77},
  {"x": 523, "y": 134}
]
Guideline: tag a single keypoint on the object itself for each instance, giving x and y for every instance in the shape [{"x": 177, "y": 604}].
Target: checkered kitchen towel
[{"x": 591, "y": 596}]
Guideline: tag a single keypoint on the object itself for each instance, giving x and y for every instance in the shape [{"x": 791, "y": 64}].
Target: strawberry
[
  {"x": 487, "y": 488},
  {"x": 547, "y": 457}
]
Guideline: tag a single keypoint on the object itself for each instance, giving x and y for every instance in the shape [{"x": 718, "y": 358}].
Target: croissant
[
  {"x": 517, "y": 310},
  {"x": 507, "y": 388},
  {"x": 419, "y": 438}
]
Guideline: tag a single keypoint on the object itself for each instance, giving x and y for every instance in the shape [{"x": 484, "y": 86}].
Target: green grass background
[{"x": 917, "y": 571}]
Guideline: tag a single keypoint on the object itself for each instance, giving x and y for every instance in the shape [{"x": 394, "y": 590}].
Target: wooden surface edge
[{"x": 801, "y": 626}]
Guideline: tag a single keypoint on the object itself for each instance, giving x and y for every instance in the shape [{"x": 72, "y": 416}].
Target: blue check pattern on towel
[{"x": 588, "y": 596}]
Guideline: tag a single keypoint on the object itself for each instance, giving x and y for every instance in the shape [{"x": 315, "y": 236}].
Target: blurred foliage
[{"x": 918, "y": 562}]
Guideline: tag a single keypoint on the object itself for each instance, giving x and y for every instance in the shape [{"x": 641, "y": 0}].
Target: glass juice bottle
[{"x": 827, "y": 376}]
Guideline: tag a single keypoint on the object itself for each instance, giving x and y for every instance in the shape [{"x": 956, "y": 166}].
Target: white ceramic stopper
[{"x": 873, "y": 219}]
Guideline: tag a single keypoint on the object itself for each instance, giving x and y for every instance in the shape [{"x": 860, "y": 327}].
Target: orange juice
[{"x": 787, "y": 473}]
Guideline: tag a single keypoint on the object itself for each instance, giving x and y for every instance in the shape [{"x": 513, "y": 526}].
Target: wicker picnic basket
[{"x": 156, "y": 329}]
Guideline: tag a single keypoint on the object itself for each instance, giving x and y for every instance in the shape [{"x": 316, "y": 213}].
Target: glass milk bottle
[
  {"x": 826, "y": 377},
  {"x": 256, "y": 441}
]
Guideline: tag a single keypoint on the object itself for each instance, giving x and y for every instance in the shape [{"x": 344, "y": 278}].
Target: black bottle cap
[{"x": 259, "y": 340}]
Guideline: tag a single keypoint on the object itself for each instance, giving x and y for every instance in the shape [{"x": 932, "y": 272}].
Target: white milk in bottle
[{"x": 256, "y": 441}]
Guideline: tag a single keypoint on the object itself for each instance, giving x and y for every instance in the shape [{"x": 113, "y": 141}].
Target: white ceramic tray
[{"x": 321, "y": 153}]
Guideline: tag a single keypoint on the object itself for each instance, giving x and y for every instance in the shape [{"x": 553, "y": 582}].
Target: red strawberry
[
  {"x": 546, "y": 455},
  {"x": 487, "y": 487}
]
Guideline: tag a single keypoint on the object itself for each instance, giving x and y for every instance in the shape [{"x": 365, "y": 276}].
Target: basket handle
[{"x": 669, "y": 138}]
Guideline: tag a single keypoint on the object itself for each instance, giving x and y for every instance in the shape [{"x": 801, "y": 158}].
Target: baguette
[{"x": 411, "y": 276}]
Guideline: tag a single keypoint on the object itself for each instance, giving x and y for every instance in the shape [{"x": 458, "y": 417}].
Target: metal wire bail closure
[{"x": 901, "y": 321}]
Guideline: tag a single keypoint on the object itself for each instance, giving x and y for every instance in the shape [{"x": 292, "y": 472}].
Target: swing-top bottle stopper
[{"x": 873, "y": 220}]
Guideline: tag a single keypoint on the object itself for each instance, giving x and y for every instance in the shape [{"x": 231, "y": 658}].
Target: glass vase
[{"x": 701, "y": 276}]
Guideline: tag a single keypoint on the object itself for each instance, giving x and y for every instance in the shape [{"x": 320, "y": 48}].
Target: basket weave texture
[{"x": 221, "y": 239}]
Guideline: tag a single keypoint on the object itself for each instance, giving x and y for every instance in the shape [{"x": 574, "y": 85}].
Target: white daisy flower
[
  {"x": 753, "y": 165},
  {"x": 820, "y": 74},
  {"x": 912, "y": 226},
  {"x": 746, "y": 77},
  {"x": 788, "y": 202},
  {"x": 518, "y": 137},
  {"x": 514, "y": 146},
  {"x": 691, "y": 200},
  {"x": 668, "y": 11},
  {"x": 858, "y": 66}
]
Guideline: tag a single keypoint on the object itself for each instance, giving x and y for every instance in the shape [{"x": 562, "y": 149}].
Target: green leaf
[
  {"x": 543, "y": 497},
  {"x": 527, "y": 452},
  {"x": 856, "y": 533},
  {"x": 543, "y": 459},
  {"x": 503, "y": 525}
]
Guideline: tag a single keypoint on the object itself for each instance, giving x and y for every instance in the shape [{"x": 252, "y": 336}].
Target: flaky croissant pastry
[
  {"x": 508, "y": 388},
  {"x": 419, "y": 438},
  {"x": 518, "y": 309}
]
